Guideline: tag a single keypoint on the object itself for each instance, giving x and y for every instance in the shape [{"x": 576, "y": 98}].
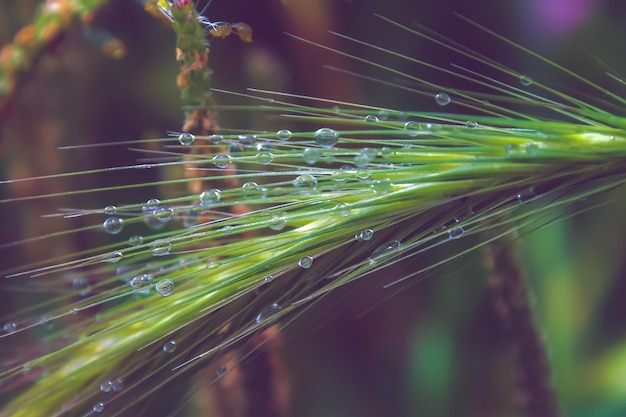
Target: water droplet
[
  {"x": 113, "y": 257},
  {"x": 190, "y": 218},
  {"x": 343, "y": 209},
  {"x": 456, "y": 232},
  {"x": 472, "y": 124},
  {"x": 152, "y": 204},
  {"x": 412, "y": 128},
  {"x": 169, "y": 346},
  {"x": 221, "y": 161},
  {"x": 525, "y": 80},
  {"x": 278, "y": 222},
  {"x": 386, "y": 152},
  {"x": 306, "y": 183},
  {"x": 267, "y": 312},
  {"x": 113, "y": 225},
  {"x": 74, "y": 311},
  {"x": 305, "y": 262},
  {"x": 311, "y": 155},
  {"x": 527, "y": 196},
  {"x": 381, "y": 186},
  {"x": 118, "y": 385},
  {"x": 283, "y": 134},
  {"x": 247, "y": 140},
  {"x": 164, "y": 287},
  {"x": 210, "y": 197},
  {"x": 135, "y": 240},
  {"x": 268, "y": 278},
  {"x": 9, "y": 327},
  {"x": 339, "y": 176},
  {"x": 216, "y": 139},
  {"x": 442, "y": 99},
  {"x": 326, "y": 137},
  {"x": 384, "y": 251},
  {"x": 361, "y": 160},
  {"x": 106, "y": 386},
  {"x": 98, "y": 407},
  {"x": 221, "y": 372},
  {"x": 160, "y": 247},
  {"x": 163, "y": 214},
  {"x": 363, "y": 175},
  {"x": 186, "y": 139},
  {"x": 141, "y": 282},
  {"x": 110, "y": 210},
  {"x": 511, "y": 149},
  {"x": 370, "y": 118},
  {"x": 264, "y": 158},
  {"x": 365, "y": 234},
  {"x": 250, "y": 186},
  {"x": 532, "y": 149}
]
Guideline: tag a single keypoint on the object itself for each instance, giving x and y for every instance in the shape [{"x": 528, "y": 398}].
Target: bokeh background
[{"x": 433, "y": 348}]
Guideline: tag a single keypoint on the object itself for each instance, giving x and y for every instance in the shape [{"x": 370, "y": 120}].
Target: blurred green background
[{"x": 434, "y": 348}]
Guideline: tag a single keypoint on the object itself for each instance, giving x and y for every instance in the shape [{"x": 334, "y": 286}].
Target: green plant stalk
[{"x": 433, "y": 178}]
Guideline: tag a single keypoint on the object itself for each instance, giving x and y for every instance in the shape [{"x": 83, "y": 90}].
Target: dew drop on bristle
[
  {"x": 365, "y": 234},
  {"x": 306, "y": 183},
  {"x": 9, "y": 327},
  {"x": 106, "y": 386},
  {"x": 186, "y": 139},
  {"x": 164, "y": 287},
  {"x": 221, "y": 161},
  {"x": 525, "y": 80},
  {"x": 472, "y": 124},
  {"x": 343, "y": 209},
  {"x": 152, "y": 204},
  {"x": 98, "y": 407},
  {"x": 370, "y": 118},
  {"x": 381, "y": 186},
  {"x": 163, "y": 214},
  {"x": 267, "y": 313},
  {"x": 412, "y": 128},
  {"x": 456, "y": 232},
  {"x": 110, "y": 210},
  {"x": 264, "y": 158},
  {"x": 526, "y": 196},
  {"x": 247, "y": 140},
  {"x": 216, "y": 139},
  {"x": 118, "y": 385},
  {"x": 160, "y": 247},
  {"x": 305, "y": 262},
  {"x": 278, "y": 222},
  {"x": 169, "y": 346},
  {"x": 140, "y": 282},
  {"x": 385, "y": 250},
  {"x": 311, "y": 155},
  {"x": 135, "y": 240},
  {"x": 284, "y": 134},
  {"x": 113, "y": 225},
  {"x": 443, "y": 99},
  {"x": 250, "y": 186},
  {"x": 326, "y": 137},
  {"x": 268, "y": 278},
  {"x": 113, "y": 257},
  {"x": 210, "y": 197},
  {"x": 221, "y": 372}
]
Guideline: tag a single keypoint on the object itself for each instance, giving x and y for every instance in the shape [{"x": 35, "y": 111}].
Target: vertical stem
[{"x": 507, "y": 283}]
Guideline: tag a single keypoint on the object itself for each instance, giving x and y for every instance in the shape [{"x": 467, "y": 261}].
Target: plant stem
[{"x": 506, "y": 280}]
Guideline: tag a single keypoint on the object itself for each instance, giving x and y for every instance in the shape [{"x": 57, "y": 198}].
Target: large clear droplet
[
  {"x": 283, "y": 134},
  {"x": 326, "y": 137},
  {"x": 118, "y": 385},
  {"x": 186, "y": 139},
  {"x": 305, "y": 262},
  {"x": 135, "y": 240},
  {"x": 527, "y": 196},
  {"x": 278, "y": 222},
  {"x": 210, "y": 197},
  {"x": 110, "y": 210},
  {"x": 221, "y": 161},
  {"x": 160, "y": 247},
  {"x": 169, "y": 346},
  {"x": 365, "y": 234},
  {"x": 525, "y": 80},
  {"x": 267, "y": 313},
  {"x": 381, "y": 186},
  {"x": 384, "y": 251},
  {"x": 106, "y": 386},
  {"x": 98, "y": 407},
  {"x": 456, "y": 233},
  {"x": 140, "y": 282},
  {"x": 311, "y": 155},
  {"x": 9, "y": 327},
  {"x": 113, "y": 225},
  {"x": 442, "y": 99},
  {"x": 306, "y": 183},
  {"x": 164, "y": 287}
]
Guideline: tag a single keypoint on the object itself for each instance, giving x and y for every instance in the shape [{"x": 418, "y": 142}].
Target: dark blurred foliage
[{"x": 433, "y": 348}]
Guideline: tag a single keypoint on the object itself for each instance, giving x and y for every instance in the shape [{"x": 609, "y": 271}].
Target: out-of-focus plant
[{"x": 279, "y": 219}]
